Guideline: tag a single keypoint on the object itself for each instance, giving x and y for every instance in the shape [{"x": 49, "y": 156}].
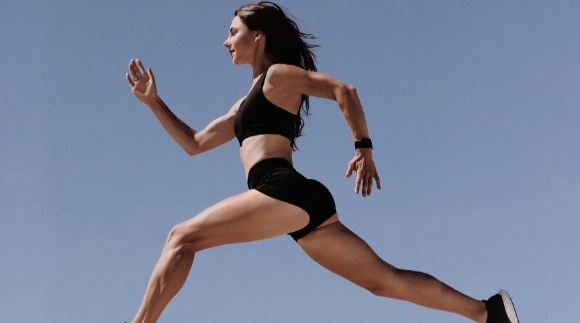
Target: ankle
[{"x": 481, "y": 316}]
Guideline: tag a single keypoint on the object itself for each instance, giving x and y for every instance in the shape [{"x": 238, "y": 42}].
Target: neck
[{"x": 261, "y": 66}]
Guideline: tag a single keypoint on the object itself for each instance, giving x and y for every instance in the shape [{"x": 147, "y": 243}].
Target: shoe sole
[{"x": 509, "y": 306}]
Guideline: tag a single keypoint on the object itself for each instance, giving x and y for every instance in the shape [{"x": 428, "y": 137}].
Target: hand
[
  {"x": 142, "y": 82},
  {"x": 364, "y": 166}
]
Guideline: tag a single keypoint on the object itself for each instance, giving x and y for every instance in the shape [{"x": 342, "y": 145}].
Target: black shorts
[{"x": 277, "y": 178}]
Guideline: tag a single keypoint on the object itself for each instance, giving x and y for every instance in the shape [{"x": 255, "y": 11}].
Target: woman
[{"x": 281, "y": 201}]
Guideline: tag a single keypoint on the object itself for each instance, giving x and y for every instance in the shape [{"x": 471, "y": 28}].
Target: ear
[{"x": 259, "y": 35}]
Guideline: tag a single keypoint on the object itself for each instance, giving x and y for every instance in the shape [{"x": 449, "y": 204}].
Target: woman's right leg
[
  {"x": 341, "y": 251},
  {"x": 249, "y": 216}
]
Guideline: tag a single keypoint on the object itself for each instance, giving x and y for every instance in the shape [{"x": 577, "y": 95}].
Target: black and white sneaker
[{"x": 500, "y": 308}]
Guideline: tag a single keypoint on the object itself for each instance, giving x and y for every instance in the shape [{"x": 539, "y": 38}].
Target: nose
[{"x": 227, "y": 42}]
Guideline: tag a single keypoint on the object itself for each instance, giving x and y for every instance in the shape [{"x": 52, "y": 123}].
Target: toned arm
[
  {"x": 292, "y": 79},
  {"x": 218, "y": 132}
]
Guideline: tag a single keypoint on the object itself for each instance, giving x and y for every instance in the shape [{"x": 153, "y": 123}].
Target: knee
[
  {"x": 182, "y": 240},
  {"x": 382, "y": 289},
  {"x": 386, "y": 285},
  {"x": 402, "y": 284}
]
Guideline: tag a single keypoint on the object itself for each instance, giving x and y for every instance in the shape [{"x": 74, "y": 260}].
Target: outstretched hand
[
  {"x": 366, "y": 172},
  {"x": 141, "y": 81}
]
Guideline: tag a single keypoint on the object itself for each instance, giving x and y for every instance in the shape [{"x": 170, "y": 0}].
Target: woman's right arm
[{"x": 218, "y": 132}]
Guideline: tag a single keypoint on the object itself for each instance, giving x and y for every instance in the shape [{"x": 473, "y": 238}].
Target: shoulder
[
  {"x": 281, "y": 71},
  {"x": 286, "y": 76},
  {"x": 290, "y": 78}
]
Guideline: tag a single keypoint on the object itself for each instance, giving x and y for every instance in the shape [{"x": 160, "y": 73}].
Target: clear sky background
[{"x": 473, "y": 106}]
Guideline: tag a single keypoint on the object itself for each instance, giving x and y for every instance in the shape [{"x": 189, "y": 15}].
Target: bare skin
[{"x": 250, "y": 216}]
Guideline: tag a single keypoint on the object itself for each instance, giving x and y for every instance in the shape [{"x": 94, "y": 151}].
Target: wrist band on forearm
[{"x": 363, "y": 143}]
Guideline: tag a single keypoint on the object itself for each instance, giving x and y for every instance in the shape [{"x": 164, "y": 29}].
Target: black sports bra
[{"x": 257, "y": 116}]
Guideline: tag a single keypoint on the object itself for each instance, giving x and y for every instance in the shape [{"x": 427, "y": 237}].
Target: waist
[
  {"x": 263, "y": 147},
  {"x": 264, "y": 167}
]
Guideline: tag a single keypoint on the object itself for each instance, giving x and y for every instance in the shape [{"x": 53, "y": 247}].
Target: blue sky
[{"x": 473, "y": 108}]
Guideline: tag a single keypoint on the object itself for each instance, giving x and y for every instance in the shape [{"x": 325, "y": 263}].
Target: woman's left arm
[{"x": 294, "y": 79}]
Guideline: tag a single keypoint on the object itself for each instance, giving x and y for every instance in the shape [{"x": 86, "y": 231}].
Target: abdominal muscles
[{"x": 260, "y": 147}]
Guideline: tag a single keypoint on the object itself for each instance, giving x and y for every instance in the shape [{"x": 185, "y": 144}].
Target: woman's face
[{"x": 241, "y": 42}]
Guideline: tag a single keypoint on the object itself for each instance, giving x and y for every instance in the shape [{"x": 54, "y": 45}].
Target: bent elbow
[
  {"x": 192, "y": 150},
  {"x": 351, "y": 90},
  {"x": 345, "y": 91}
]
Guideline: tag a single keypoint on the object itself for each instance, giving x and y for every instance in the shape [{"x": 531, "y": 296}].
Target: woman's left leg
[
  {"x": 245, "y": 217},
  {"x": 341, "y": 251}
]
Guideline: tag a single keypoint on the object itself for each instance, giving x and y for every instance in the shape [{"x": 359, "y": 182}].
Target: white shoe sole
[{"x": 509, "y": 306}]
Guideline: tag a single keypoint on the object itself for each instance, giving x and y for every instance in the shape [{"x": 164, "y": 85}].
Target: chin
[{"x": 235, "y": 62}]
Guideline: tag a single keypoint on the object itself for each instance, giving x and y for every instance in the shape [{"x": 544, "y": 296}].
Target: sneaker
[{"x": 500, "y": 308}]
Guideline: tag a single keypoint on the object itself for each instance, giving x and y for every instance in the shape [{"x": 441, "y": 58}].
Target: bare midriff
[{"x": 260, "y": 147}]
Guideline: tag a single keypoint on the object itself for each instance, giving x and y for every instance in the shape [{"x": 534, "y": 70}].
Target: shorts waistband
[{"x": 264, "y": 167}]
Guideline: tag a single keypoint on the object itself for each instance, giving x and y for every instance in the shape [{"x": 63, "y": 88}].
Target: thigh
[
  {"x": 341, "y": 251},
  {"x": 244, "y": 217}
]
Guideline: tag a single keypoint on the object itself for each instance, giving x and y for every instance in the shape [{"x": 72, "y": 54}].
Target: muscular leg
[
  {"x": 245, "y": 217},
  {"x": 341, "y": 251}
]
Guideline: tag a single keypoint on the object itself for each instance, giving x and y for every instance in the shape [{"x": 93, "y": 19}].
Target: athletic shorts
[{"x": 277, "y": 178}]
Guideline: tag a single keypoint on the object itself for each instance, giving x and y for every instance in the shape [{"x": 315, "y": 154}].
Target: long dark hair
[{"x": 285, "y": 43}]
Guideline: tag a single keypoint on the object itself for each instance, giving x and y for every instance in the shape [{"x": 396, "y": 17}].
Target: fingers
[
  {"x": 133, "y": 70},
  {"x": 366, "y": 175},
  {"x": 352, "y": 166},
  {"x": 142, "y": 71},
  {"x": 367, "y": 187},
  {"x": 130, "y": 80},
  {"x": 141, "y": 81},
  {"x": 366, "y": 183},
  {"x": 137, "y": 72},
  {"x": 357, "y": 183},
  {"x": 349, "y": 170},
  {"x": 151, "y": 76}
]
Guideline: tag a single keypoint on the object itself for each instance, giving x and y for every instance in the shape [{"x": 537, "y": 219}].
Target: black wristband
[{"x": 363, "y": 143}]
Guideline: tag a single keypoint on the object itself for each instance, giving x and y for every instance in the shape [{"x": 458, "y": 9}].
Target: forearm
[
  {"x": 183, "y": 134},
  {"x": 351, "y": 107}
]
